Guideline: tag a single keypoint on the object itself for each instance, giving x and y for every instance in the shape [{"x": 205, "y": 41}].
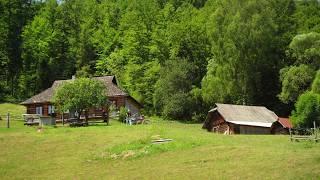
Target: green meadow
[{"x": 119, "y": 151}]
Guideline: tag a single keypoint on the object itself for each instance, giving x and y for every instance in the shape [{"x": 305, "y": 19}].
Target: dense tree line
[
  {"x": 177, "y": 57},
  {"x": 14, "y": 16}
]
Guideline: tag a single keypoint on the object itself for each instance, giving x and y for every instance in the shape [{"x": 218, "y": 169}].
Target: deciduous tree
[{"x": 80, "y": 94}]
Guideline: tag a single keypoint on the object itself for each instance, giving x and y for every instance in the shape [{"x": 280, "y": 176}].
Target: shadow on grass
[{"x": 99, "y": 124}]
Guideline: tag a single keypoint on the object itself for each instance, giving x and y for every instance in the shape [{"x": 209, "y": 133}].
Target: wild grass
[
  {"x": 126, "y": 152},
  {"x": 14, "y": 110}
]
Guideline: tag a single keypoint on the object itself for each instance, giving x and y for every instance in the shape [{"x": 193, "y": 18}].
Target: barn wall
[
  {"x": 118, "y": 101},
  {"x": 277, "y": 128},
  {"x": 45, "y": 109},
  {"x": 254, "y": 130},
  {"x": 216, "y": 123},
  {"x": 281, "y": 130},
  {"x": 223, "y": 128},
  {"x": 132, "y": 106},
  {"x": 31, "y": 108},
  {"x": 234, "y": 128}
]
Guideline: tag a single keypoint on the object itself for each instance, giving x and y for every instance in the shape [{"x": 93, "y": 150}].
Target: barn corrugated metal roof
[
  {"x": 46, "y": 95},
  {"x": 246, "y": 115},
  {"x": 285, "y": 122}
]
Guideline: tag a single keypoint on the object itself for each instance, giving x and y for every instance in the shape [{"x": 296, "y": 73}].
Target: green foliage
[
  {"x": 295, "y": 80},
  {"x": 172, "y": 98},
  {"x": 14, "y": 15},
  {"x": 178, "y": 106},
  {"x": 45, "y": 50},
  {"x": 307, "y": 16},
  {"x": 147, "y": 43},
  {"x": 316, "y": 83},
  {"x": 307, "y": 110},
  {"x": 80, "y": 94},
  {"x": 233, "y": 49},
  {"x": 112, "y": 108},
  {"x": 305, "y": 48},
  {"x": 199, "y": 107},
  {"x": 84, "y": 72},
  {"x": 123, "y": 114},
  {"x": 246, "y": 38}
]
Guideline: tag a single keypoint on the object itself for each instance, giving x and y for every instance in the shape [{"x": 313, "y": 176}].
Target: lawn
[{"x": 125, "y": 152}]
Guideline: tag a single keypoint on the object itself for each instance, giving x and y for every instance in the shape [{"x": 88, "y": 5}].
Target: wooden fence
[
  {"x": 7, "y": 118},
  {"x": 301, "y": 134}
]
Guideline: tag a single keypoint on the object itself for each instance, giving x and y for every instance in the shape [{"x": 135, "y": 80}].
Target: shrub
[
  {"x": 178, "y": 107},
  {"x": 123, "y": 114},
  {"x": 112, "y": 110},
  {"x": 307, "y": 110},
  {"x": 172, "y": 97}
]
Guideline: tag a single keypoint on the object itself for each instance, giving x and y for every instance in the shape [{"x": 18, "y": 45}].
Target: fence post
[
  {"x": 314, "y": 127},
  {"x": 62, "y": 119},
  {"x": 315, "y": 131},
  {"x": 8, "y": 120}
]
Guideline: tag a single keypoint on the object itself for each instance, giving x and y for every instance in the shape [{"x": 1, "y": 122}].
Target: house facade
[
  {"x": 42, "y": 103},
  {"x": 238, "y": 119}
]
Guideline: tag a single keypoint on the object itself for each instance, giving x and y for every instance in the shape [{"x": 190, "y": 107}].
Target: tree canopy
[
  {"x": 177, "y": 57},
  {"x": 80, "y": 94},
  {"x": 307, "y": 110}
]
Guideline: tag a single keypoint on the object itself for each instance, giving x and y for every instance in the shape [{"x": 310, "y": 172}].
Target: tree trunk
[
  {"x": 79, "y": 114},
  {"x": 86, "y": 116}
]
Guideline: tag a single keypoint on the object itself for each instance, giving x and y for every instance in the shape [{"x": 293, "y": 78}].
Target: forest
[{"x": 176, "y": 57}]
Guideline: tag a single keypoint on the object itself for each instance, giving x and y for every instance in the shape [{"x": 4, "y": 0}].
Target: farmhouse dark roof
[
  {"x": 246, "y": 115},
  {"x": 46, "y": 95},
  {"x": 285, "y": 122}
]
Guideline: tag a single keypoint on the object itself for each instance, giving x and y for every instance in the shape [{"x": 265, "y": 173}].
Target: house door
[
  {"x": 236, "y": 128},
  {"x": 39, "y": 110}
]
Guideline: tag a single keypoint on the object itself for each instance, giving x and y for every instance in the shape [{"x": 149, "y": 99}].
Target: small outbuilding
[
  {"x": 239, "y": 119},
  {"x": 281, "y": 126}
]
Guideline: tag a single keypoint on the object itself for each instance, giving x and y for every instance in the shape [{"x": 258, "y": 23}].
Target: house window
[
  {"x": 50, "y": 109},
  {"x": 39, "y": 110}
]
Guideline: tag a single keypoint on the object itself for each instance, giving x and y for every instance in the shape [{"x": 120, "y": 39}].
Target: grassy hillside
[
  {"x": 125, "y": 152},
  {"x": 13, "y": 109}
]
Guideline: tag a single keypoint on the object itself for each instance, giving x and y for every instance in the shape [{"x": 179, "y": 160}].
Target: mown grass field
[{"x": 125, "y": 152}]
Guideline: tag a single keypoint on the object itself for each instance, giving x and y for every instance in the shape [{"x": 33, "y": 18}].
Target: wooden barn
[
  {"x": 281, "y": 126},
  {"x": 238, "y": 119},
  {"x": 42, "y": 103}
]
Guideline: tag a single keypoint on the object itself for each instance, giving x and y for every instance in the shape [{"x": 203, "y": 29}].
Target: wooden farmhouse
[
  {"x": 238, "y": 119},
  {"x": 281, "y": 126},
  {"x": 42, "y": 103}
]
